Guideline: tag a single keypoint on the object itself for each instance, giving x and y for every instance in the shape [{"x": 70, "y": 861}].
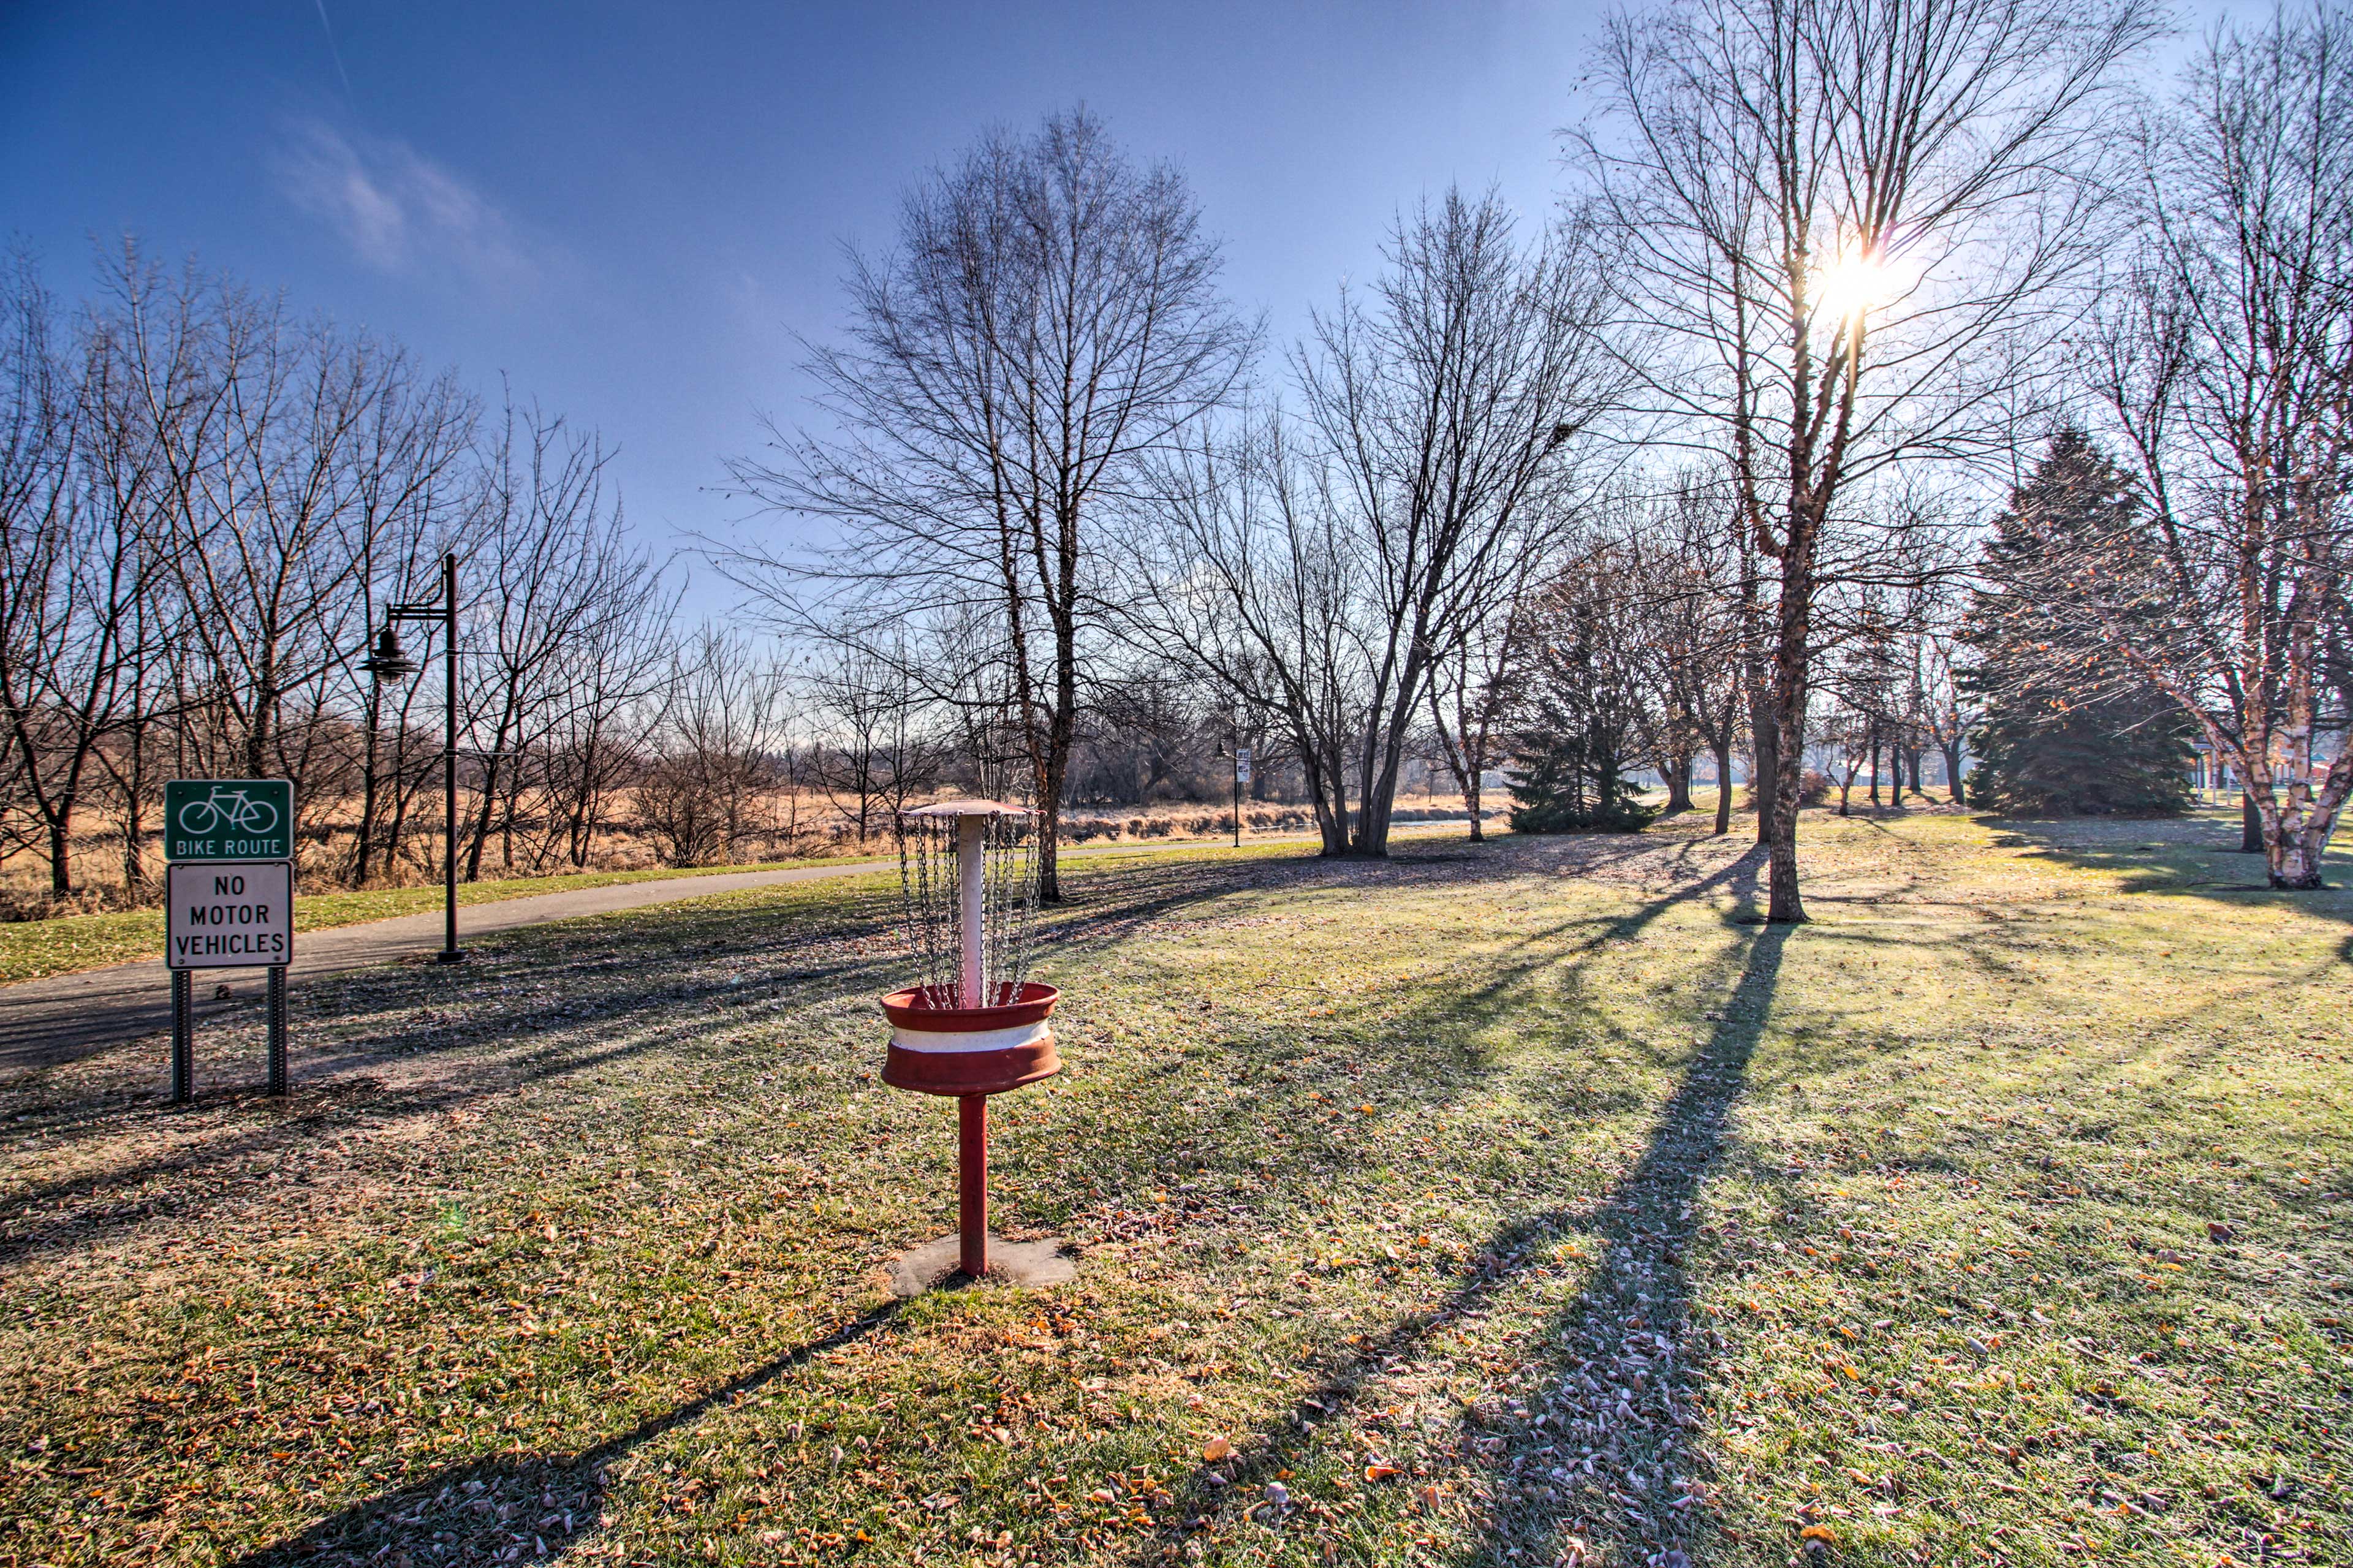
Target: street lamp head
[{"x": 388, "y": 662}]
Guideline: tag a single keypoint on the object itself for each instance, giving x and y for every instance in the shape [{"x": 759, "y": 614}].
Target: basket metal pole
[
  {"x": 972, "y": 1175},
  {"x": 971, "y": 1109},
  {"x": 972, "y": 892}
]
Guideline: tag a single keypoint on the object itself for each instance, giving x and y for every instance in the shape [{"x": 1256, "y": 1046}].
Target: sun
[{"x": 1853, "y": 284}]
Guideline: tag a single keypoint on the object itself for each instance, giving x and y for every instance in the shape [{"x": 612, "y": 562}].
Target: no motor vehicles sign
[{"x": 229, "y": 915}]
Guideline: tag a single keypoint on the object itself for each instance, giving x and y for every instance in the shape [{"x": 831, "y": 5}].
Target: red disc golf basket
[{"x": 976, "y": 1024}]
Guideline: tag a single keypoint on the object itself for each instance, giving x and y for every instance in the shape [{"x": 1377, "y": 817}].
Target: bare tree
[
  {"x": 875, "y": 750},
  {"x": 617, "y": 669},
  {"x": 1864, "y": 685},
  {"x": 408, "y": 484},
  {"x": 1250, "y": 575},
  {"x": 550, "y": 566},
  {"x": 1049, "y": 318},
  {"x": 1943, "y": 710},
  {"x": 1445, "y": 406},
  {"x": 1325, "y": 571},
  {"x": 70, "y": 574},
  {"x": 1853, "y": 220},
  {"x": 1471, "y": 689},
  {"x": 254, "y": 463},
  {"x": 2226, "y": 362},
  {"x": 204, "y": 506},
  {"x": 1844, "y": 734},
  {"x": 1148, "y": 727},
  {"x": 717, "y": 752},
  {"x": 1681, "y": 551}
]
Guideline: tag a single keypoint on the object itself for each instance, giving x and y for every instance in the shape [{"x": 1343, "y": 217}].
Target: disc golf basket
[{"x": 976, "y": 1025}]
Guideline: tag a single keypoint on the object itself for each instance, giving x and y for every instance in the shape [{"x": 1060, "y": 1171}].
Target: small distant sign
[
  {"x": 1242, "y": 764},
  {"x": 228, "y": 819},
  {"x": 229, "y": 914}
]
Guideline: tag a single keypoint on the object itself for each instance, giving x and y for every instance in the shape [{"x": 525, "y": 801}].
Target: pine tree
[
  {"x": 1574, "y": 735},
  {"x": 2066, "y": 730},
  {"x": 1569, "y": 779}
]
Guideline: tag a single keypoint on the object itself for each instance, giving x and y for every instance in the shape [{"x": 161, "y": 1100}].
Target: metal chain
[
  {"x": 930, "y": 900},
  {"x": 920, "y": 878}
]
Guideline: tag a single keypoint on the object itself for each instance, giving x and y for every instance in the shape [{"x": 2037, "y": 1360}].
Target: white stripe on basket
[{"x": 978, "y": 1041}]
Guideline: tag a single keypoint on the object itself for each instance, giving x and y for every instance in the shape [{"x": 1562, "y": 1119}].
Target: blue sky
[{"x": 626, "y": 209}]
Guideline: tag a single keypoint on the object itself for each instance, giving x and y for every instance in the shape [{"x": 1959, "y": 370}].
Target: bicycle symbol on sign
[{"x": 227, "y": 811}]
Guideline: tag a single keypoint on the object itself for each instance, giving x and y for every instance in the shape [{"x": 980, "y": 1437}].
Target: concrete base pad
[{"x": 932, "y": 1265}]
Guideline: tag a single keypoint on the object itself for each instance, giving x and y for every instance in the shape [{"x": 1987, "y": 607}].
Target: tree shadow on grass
[
  {"x": 1629, "y": 1365},
  {"x": 1604, "y": 1424},
  {"x": 79, "y": 1209},
  {"x": 2190, "y": 856},
  {"x": 527, "y": 1504},
  {"x": 1427, "y": 1057}
]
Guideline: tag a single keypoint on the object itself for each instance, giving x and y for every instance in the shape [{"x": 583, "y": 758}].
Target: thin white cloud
[{"x": 399, "y": 211}]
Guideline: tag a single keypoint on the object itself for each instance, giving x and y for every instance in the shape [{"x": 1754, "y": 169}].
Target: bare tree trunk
[
  {"x": 363, "y": 832},
  {"x": 1062, "y": 726},
  {"x": 1679, "y": 782},
  {"x": 1790, "y": 695},
  {"x": 1724, "y": 785},
  {"x": 1764, "y": 778}
]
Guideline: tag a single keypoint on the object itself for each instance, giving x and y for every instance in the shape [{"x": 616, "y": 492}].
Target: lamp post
[{"x": 388, "y": 663}]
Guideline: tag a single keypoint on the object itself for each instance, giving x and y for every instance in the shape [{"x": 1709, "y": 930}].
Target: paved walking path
[{"x": 46, "y": 1022}]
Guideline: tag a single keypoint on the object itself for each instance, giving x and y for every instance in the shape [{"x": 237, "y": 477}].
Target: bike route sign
[
  {"x": 228, "y": 819},
  {"x": 228, "y": 915}
]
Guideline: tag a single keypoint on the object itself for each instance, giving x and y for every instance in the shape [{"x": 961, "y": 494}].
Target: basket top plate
[{"x": 968, "y": 808}]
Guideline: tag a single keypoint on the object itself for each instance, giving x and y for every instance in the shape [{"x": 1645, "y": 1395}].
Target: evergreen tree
[
  {"x": 2066, "y": 730},
  {"x": 1577, "y": 728}
]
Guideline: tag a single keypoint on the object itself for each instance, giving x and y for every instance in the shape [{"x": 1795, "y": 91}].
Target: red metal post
[{"x": 971, "y": 1196}]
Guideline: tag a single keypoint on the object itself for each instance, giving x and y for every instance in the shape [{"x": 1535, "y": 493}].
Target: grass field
[{"x": 1519, "y": 1203}]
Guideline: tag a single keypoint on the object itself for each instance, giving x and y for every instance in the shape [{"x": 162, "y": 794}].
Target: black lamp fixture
[{"x": 388, "y": 662}]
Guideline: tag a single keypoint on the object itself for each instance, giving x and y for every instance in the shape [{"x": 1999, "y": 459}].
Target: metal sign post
[
  {"x": 1241, "y": 781},
  {"x": 228, "y": 902},
  {"x": 184, "y": 1038}
]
